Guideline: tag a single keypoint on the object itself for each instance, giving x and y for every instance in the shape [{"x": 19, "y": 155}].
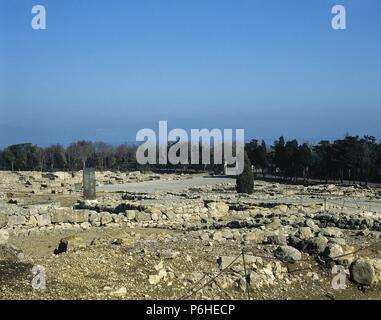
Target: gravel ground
[{"x": 121, "y": 271}]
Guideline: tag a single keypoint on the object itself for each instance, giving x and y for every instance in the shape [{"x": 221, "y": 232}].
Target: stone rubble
[{"x": 282, "y": 229}]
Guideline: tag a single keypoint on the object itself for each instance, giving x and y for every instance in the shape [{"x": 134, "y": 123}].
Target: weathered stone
[
  {"x": 60, "y": 215},
  {"x": 255, "y": 236},
  {"x": 204, "y": 237},
  {"x": 255, "y": 280},
  {"x": 3, "y": 219},
  {"x": 377, "y": 268},
  {"x": 105, "y": 218},
  {"x": 16, "y": 220},
  {"x": 44, "y": 220},
  {"x": 154, "y": 210},
  {"x": 315, "y": 245},
  {"x": 217, "y": 210},
  {"x": 281, "y": 208},
  {"x": 304, "y": 233},
  {"x": 311, "y": 224},
  {"x": 143, "y": 216},
  {"x": 287, "y": 254},
  {"x": 277, "y": 239},
  {"x": 362, "y": 272},
  {"x": 219, "y": 206},
  {"x": 131, "y": 214},
  {"x": 333, "y": 251},
  {"x": 331, "y": 232},
  {"x": 154, "y": 279},
  {"x": 218, "y": 236},
  {"x": 79, "y": 216},
  {"x": 4, "y": 236},
  {"x": 9, "y": 252},
  {"x": 94, "y": 218},
  {"x": 232, "y": 261},
  {"x": 275, "y": 224},
  {"x": 340, "y": 241},
  {"x": 85, "y": 225}
]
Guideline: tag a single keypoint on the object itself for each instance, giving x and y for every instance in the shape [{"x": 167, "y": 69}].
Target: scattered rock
[
  {"x": 3, "y": 219},
  {"x": 314, "y": 245},
  {"x": 333, "y": 251},
  {"x": 10, "y": 252},
  {"x": 362, "y": 272},
  {"x": 331, "y": 232},
  {"x": 287, "y": 254},
  {"x": 277, "y": 239},
  {"x": 120, "y": 292},
  {"x": 169, "y": 254},
  {"x": 4, "y": 236},
  {"x": 70, "y": 244},
  {"x": 154, "y": 279},
  {"x": 304, "y": 233}
]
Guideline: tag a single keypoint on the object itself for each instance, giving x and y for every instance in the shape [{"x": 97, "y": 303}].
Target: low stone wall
[{"x": 84, "y": 215}]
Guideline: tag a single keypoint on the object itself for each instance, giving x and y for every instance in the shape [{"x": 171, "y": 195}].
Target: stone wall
[{"x": 45, "y": 217}]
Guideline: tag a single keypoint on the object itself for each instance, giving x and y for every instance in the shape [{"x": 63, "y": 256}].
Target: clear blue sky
[{"x": 104, "y": 69}]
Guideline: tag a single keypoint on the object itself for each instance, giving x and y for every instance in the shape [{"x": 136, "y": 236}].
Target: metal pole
[{"x": 246, "y": 277}]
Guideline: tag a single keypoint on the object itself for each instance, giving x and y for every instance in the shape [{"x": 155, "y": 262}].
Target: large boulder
[
  {"x": 314, "y": 245},
  {"x": 362, "y": 272},
  {"x": 287, "y": 254},
  {"x": 277, "y": 239}
]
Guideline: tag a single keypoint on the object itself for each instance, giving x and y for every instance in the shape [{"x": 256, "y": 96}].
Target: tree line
[
  {"x": 349, "y": 159},
  {"x": 352, "y": 158}
]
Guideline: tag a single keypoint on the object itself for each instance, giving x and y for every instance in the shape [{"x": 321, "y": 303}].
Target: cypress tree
[{"x": 245, "y": 181}]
